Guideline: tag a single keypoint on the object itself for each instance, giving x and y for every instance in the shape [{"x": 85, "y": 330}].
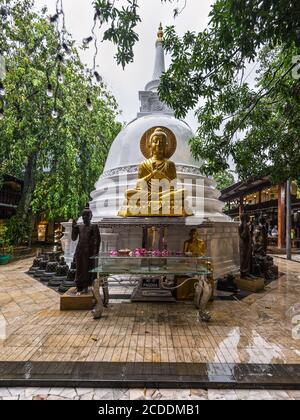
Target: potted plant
[{"x": 6, "y": 249}]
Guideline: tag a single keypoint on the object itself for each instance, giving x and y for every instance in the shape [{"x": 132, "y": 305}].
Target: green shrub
[{"x": 5, "y": 245}]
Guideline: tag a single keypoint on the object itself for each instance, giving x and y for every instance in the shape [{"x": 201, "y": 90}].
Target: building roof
[{"x": 242, "y": 188}]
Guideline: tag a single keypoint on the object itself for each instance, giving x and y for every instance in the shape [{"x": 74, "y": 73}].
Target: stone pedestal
[
  {"x": 221, "y": 239},
  {"x": 71, "y": 302},
  {"x": 56, "y": 281},
  {"x": 251, "y": 285}
]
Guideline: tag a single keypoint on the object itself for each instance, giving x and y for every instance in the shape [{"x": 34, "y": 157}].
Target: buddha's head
[
  {"x": 87, "y": 216},
  {"x": 194, "y": 234},
  {"x": 158, "y": 142}
]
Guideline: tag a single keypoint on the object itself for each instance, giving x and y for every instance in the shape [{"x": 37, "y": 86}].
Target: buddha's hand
[{"x": 159, "y": 175}]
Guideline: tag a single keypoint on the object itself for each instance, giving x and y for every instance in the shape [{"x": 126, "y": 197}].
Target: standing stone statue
[
  {"x": 261, "y": 237},
  {"x": 87, "y": 247},
  {"x": 245, "y": 246},
  {"x": 263, "y": 264}
]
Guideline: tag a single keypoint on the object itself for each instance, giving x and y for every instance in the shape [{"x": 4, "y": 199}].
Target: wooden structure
[
  {"x": 10, "y": 194},
  {"x": 256, "y": 196}
]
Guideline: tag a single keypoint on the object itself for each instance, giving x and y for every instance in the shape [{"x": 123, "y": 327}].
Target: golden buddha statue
[
  {"x": 195, "y": 245},
  {"x": 156, "y": 193}
]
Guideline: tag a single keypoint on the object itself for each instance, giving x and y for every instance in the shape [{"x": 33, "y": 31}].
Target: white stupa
[
  {"x": 120, "y": 173},
  {"x": 125, "y": 155}
]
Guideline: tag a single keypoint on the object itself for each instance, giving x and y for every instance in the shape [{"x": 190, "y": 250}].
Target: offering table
[{"x": 199, "y": 268}]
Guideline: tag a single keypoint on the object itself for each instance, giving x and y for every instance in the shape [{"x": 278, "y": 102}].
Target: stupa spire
[
  {"x": 150, "y": 102},
  {"x": 160, "y": 34},
  {"x": 159, "y": 65}
]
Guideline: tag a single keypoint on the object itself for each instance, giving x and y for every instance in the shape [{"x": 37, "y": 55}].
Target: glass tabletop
[
  {"x": 151, "y": 257},
  {"x": 192, "y": 266}
]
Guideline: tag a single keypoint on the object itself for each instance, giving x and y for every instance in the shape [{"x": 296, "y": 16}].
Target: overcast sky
[{"x": 126, "y": 84}]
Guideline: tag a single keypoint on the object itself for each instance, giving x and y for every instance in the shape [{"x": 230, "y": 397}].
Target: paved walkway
[{"x": 258, "y": 329}]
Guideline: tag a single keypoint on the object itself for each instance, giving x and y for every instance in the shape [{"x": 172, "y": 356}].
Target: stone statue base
[
  {"x": 47, "y": 277},
  {"x": 33, "y": 270},
  {"x": 56, "y": 281},
  {"x": 66, "y": 285},
  {"x": 39, "y": 273},
  {"x": 71, "y": 302},
  {"x": 254, "y": 285}
]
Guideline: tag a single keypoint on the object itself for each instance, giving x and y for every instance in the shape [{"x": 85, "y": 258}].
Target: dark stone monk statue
[
  {"x": 261, "y": 237},
  {"x": 87, "y": 247},
  {"x": 245, "y": 246}
]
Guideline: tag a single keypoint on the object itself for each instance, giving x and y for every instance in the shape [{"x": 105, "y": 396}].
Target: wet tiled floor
[
  {"x": 295, "y": 257},
  {"x": 258, "y": 329}
]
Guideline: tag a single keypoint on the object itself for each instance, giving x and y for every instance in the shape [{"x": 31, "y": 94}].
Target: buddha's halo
[{"x": 171, "y": 143}]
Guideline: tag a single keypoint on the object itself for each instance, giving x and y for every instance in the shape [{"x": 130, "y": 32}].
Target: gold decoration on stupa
[{"x": 160, "y": 33}]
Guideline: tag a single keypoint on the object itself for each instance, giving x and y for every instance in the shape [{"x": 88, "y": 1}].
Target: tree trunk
[{"x": 23, "y": 213}]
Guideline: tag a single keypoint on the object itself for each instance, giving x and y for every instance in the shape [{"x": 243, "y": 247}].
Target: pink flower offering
[
  {"x": 113, "y": 253},
  {"x": 140, "y": 252},
  {"x": 156, "y": 253},
  {"x": 166, "y": 253}
]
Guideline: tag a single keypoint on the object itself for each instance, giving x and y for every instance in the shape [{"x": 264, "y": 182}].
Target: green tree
[
  {"x": 224, "y": 180},
  {"x": 55, "y": 144},
  {"x": 257, "y": 127}
]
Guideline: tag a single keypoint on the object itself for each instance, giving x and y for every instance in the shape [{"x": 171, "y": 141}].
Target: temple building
[{"x": 259, "y": 196}]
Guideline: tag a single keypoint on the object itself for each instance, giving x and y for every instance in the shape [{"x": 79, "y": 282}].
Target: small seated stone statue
[
  {"x": 87, "y": 247},
  {"x": 51, "y": 268},
  {"x": 263, "y": 264},
  {"x": 42, "y": 266},
  {"x": 35, "y": 264},
  {"x": 194, "y": 245},
  {"x": 69, "y": 282},
  {"x": 261, "y": 237},
  {"x": 60, "y": 273}
]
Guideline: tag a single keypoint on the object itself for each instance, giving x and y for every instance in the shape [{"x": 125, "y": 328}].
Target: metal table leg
[
  {"x": 105, "y": 292},
  {"x": 203, "y": 293},
  {"x": 100, "y": 281}
]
